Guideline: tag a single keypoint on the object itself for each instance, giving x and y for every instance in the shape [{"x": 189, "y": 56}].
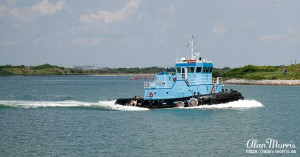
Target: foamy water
[
  {"x": 109, "y": 105},
  {"x": 233, "y": 105}
]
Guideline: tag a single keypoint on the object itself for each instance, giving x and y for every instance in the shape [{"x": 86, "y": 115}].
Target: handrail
[
  {"x": 219, "y": 80},
  {"x": 193, "y": 81}
]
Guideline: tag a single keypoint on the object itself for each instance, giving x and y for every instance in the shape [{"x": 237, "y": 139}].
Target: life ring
[
  {"x": 151, "y": 94},
  {"x": 193, "y": 102}
]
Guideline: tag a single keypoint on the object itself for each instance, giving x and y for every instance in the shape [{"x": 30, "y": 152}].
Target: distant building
[
  {"x": 104, "y": 68},
  {"x": 85, "y": 67}
]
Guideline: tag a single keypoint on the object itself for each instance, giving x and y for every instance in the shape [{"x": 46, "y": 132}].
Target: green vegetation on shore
[
  {"x": 47, "y": 69},
  {"x": 249, "y": 72}
]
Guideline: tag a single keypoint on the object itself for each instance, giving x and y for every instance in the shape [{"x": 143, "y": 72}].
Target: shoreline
[
  {"x": 230, "y": 81},
  {"x": 264, "y": 82}
]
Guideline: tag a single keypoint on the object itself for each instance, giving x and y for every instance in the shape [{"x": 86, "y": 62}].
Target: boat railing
[
  {"x": 147, "y": 85},
  {"x": 214, "y": 80},
  {"x": 193, "y": 81},
  {"x": 219, "y": 80}
]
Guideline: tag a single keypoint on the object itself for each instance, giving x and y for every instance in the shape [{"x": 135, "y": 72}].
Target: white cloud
[
  {"x": 140, "y": 16},
  {"x": 2, "y": 10},
  {"x": 7, "y": 43},
  {"x": 36, "y": 41},
  {"x": 161, "y": 24},
  {"x": 250, "y": 23},
  {"x": 16, "y": 25},
  {"x": 11, "y": 2},
  {"x": 218, "y": 30},
  {"x": 27, "y": 13},
  {"x": 172, "y": 9},
  {"x": 169, "y": 10},
  {"x": 279, "y": 5},
  {"x": 46, "y": 8},
  {"x": 112, "y": 17},
  {"x": 271, "y": 38},
  {"x": 291, "y": 36},
  {"x": 88, "y": 41}
]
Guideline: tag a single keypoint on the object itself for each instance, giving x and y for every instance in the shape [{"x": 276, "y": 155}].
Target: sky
[{"x": 144, "y": 33}]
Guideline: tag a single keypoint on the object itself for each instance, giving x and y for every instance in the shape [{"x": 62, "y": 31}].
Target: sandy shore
[{"x": 264, "y": 82}]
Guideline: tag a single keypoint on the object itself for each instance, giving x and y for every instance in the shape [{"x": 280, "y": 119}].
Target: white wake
[
  {"x": 108, "y": 105},
  {"x": 234, "y": 105}
]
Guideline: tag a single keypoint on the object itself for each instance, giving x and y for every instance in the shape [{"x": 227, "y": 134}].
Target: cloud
[
  {"x": 250, "y": 23},
  {"x": 11, "y": 2},
  {"x": 43, "y": 8},
  {"x": 272, "y": 37},
  {"x": 169, "y": 10},
  {"x": 291, "y": 36},
  {"x": 46, "y": 8},
  {"x": 112, "y": 17},
  {"x": 218, "y": 30},
  {"x": 7, "y": 43},
  {"x": 140, "y": 16},
  {"x": 2, "y": 10},
  {"x": 161, "y": 24},
  {"x": 88, "y": 41},
  {"x": 172, "y": 9},
  {"x": 279, "y": 5},
  {"x": 36, "y": 41}
]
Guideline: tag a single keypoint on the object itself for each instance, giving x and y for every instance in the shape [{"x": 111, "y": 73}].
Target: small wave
[
  {"x": 234, "y": 104},
  {"x": 105, "y": 105}
]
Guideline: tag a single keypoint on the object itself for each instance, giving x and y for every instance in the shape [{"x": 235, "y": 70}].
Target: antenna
[
  {"x": 195, "y": 54},
  {"x": 192, "y": 47}
]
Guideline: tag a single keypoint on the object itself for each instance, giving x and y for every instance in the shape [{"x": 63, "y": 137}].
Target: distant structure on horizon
[{"x": 85, "y": 67}]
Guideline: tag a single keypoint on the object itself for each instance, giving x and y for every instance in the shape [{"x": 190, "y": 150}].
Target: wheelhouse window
[
  {"x": 191, "y": 69},
  {"x": 207, "y": 69},
  {"x": 178, "y": 70},
  {"x": 198, "y": 69}
]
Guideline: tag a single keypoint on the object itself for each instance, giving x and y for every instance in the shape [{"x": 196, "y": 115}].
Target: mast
[
  {"x": 192, "y": 47},
  {"x": 194, "y": 55}
]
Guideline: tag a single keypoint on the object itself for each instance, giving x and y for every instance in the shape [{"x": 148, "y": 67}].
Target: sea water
[{"x": 76, "y": 116}]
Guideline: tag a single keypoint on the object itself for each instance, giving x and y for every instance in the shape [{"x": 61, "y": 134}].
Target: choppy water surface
[{"x": 76, "y": 115}]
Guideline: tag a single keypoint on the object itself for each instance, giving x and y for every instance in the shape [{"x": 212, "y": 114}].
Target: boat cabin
[{"x": 193, "y": 77}]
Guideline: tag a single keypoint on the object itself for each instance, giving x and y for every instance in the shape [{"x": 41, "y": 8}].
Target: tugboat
[{"x": 192, "y": 85}]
